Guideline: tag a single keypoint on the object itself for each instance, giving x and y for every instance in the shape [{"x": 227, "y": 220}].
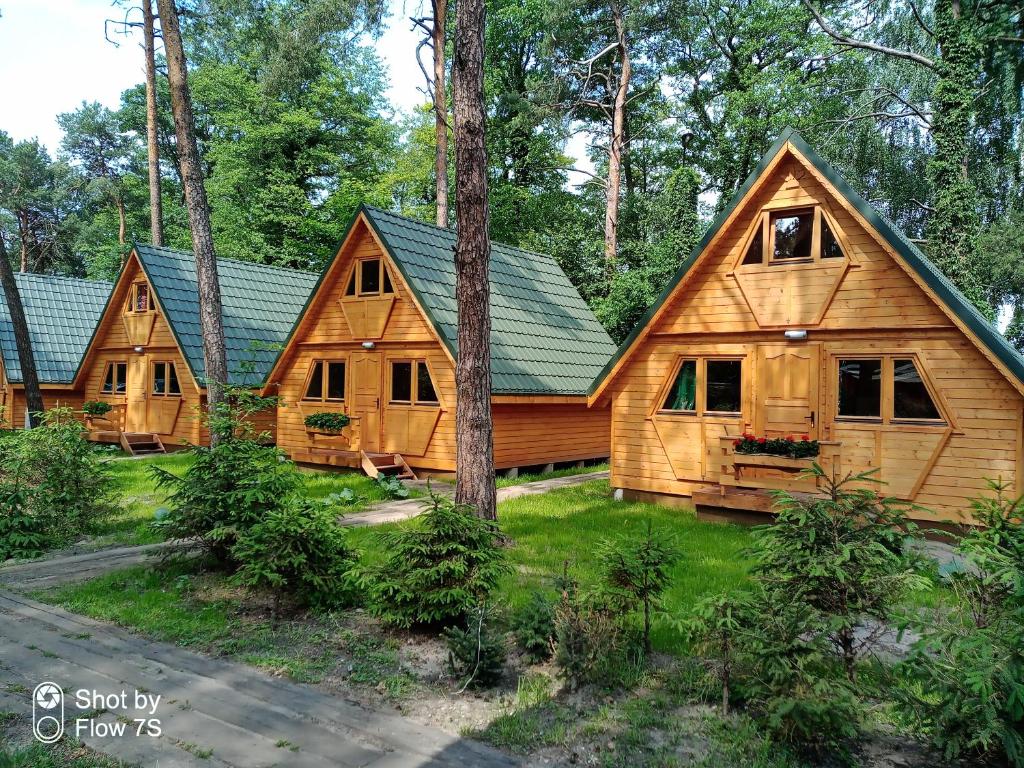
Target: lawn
[{"x": 137, "y": 496}]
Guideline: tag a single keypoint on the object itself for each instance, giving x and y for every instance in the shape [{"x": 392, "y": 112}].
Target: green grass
[
  {"x": 529, "y": 477},
  {"x": 63, "y": 754},
  {"x": 137, "y": 496},
  {"x": 566, "y": 525}
]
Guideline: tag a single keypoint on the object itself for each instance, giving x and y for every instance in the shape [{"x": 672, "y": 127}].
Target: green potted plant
[
  {"x": 788, "y": 447},
  {"x": 95, "y": 409},
  {"x": 326, "y": 422}
]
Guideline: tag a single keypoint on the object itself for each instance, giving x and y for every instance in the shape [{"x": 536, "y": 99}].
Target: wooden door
[
  {"x": 136, "y": 394},
  {"x": 786, "y": 390},
  {"x": 366, "y": 393}
]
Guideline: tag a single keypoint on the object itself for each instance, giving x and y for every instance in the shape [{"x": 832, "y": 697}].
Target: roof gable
[
  {"x": 910, "y": 258},
  {"x": 61, "y": 313},
  {"x": 544, "y": 338},
  {"x": 260, "y": 305}
]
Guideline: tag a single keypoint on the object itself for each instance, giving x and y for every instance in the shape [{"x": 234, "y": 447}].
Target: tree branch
[{"x": 850, "y": 42}]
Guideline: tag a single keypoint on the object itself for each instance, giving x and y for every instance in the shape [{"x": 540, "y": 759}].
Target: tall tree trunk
[
  {"x": 156, "y": 206},
  {"x": 210, "y": 317},
  {"x": 122, "y": 220},
  {"x": 474, "y": 438},
  {"x": 23, "y": 235},
  {"x": 440, "y": 110},
  {"x": 617, "y": 146},
  {"x": 955, "y": 223},
  {"x": 23, "y": 342}
]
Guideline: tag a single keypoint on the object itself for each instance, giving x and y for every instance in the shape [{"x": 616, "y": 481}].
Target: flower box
[{"x": 798, "y": 449}]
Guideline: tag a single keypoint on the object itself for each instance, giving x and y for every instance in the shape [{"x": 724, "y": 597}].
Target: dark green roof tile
[{"x": 61, "y": 313}]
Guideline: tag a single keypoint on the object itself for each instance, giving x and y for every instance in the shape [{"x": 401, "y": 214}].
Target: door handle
[{"x": 812, "y": 418}]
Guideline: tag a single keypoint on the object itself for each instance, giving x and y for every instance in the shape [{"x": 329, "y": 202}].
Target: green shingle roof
[
  {"x": 544, "y": 338},
  {"x": 960, "y": 306},
  {"x": 61, "y": 313},
  {"x": 260, "y": 304}
]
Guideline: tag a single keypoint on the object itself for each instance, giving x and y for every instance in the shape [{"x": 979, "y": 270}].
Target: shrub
[
  {"x": 477, "y": 651},
  {"x": 231, "y": 484},
  {"x": 96, "y": 408},
  {"x": 437, "y": 569},
  {"x": 327, "y": 421},
  {"x": 20, "y": 536},
  {"x": 392, "y": 487},
  {"x": 970, "y": 661},
  {"x": 299, "y": 549},
  {"x": 534, "y": 627},
  {"x": 635, "y": 572}
]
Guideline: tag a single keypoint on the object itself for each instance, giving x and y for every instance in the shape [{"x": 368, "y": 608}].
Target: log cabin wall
[
  {"x": 13, "y": 400},
  {"x": 858, "y": 306}
]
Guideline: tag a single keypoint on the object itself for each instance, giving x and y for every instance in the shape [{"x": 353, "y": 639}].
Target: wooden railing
[
  {"x": 112, "y": 421},
  {"x": 762, "y": 471},
  {"x": 349, "y": 439}
]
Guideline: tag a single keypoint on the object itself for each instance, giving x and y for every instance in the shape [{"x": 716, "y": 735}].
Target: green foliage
[
  {"x": 477, "y": 651},
  {"x": 300, "y": 549},
  {"x": 436, "y": 570},
  {"x": 969, "y": 662},
  {"x": 534, "y": 627},
  {"x": 392, "y": 487},
  {"x": 327, "y": 421},
  {"x": 21, "y": 536},
  {"x": 96, "y": 408},
  {"x": 636, "y": 571},
  {"x": 804, "y": 448}
]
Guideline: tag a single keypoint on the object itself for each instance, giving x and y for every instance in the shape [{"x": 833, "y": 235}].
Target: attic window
[
  {"x": 793, "y": 236},
  {"x": 792, "y": 233},
  {"x": 830, "y": 248},
  {"x": 369, "y": 278},
  {"x": 139, "y": 299}
]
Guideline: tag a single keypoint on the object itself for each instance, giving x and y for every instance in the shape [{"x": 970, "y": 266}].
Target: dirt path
[{"x": 211, "y": 712}]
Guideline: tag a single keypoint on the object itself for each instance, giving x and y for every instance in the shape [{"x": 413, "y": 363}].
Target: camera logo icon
[{"x": 48, "y": 712}]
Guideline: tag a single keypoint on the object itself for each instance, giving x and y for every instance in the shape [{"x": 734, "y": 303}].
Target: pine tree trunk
[
  {"x": 22, "y": 340},
  {"x": 474, "y": 452},
  {"x": 23, "y": 239},
  {"x": 210, "y": 317},
  {"x": 440, "y": 111},
  {"x": 156, "y": 207},
  {"x": 122, "y": 220},
  {"x": 617, "y": 145}
]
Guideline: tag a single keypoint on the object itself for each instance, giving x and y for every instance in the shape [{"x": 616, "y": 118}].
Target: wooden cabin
[
  {"x": 146, "y": 355},
  {"x": 377, "y": 342},
  {"x": 803, "y": 311},
  {"x": 61, "y": 313}
]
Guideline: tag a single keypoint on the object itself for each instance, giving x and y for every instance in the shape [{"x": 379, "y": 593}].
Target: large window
[
  {"x": 165, "y": 380},
  {"x": 802, "y": 234},
  {"x": 706, "y": 386},
  {"x": 860, "y": 389},
  {"x": 411, "y": 383},
  {"x": 885, "y": 388},
  {"x": 326, "y": 380},
  {"x": 115, "y": 379},
  {"x": 369, "y": 278}
]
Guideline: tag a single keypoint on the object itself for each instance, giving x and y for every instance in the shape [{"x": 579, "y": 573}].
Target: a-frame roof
[
  {"x": 260, "y": 304},
  {"x": 61, "y": 313},
  {"x": 949, "y": 298},
  {"x": 544, "y": 338}
]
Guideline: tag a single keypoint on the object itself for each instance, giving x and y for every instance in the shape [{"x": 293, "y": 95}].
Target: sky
[{"x": 53, "y": 55}]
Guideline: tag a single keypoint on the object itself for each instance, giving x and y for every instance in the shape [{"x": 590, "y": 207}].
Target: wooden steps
[
  {"x": 141, "y": 443},
  {"x": 378, "y": 464}
]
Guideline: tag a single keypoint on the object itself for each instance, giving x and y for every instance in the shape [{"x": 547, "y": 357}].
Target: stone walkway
[{"x": 211, "y": 712}]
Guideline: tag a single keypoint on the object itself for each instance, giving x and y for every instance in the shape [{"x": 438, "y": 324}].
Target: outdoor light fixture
[
  {"x": 368, "y": 345},
  {"x": 140, "y": 350},
  {"x": 796, "y": 335}
]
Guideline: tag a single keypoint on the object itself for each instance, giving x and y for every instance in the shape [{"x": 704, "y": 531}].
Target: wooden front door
[
  {"x": 366, "y": 392},
  {"x": 786, "y": 394},
  {"x": 136, "y": 394}
]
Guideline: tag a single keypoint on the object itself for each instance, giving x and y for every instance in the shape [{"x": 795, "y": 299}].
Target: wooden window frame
[
  {"x": 700, "y": 399},
  {"x": 103, "y": 381},
  {"x": 167, "y": 381},
  {"x": 324, "y": 380},
  {"x": 357, "y": 273},
  {"x": 414, "y": 385},
  {"x": 887, "y": 403},
  {"x": 133, "y": 295},
  {"x": 764, "y": 226}
]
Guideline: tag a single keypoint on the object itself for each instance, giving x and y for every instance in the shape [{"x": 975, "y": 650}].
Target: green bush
[
  {"x": 438, "y": 568},
  {"x": 327, "y": 421},
  {"x": 96, "y": 408},
  {"x": 298, "y": 549},
  {"x": 53, "y": 488},
  {"x": 969, "y": 662},
  {"x": 635, "y": 573},
  {"x": 534, "y": 627},
  {"x": 477, "y": 651},
  {"x": 392, "y": 487}
]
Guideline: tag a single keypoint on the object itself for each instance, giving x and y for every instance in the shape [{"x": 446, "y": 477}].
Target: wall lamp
[
  {"x": 796, "y": 335},
  {"x": 368, "y": 345},
  {"x": 139, "y": 350}
]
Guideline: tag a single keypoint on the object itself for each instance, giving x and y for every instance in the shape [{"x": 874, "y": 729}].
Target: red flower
[
  {"x": 762, "y": 440},
  {"x": 805, "y": 438},
  {"x": 737, "y": 443},
  {"x": 789, "y": 438}
]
